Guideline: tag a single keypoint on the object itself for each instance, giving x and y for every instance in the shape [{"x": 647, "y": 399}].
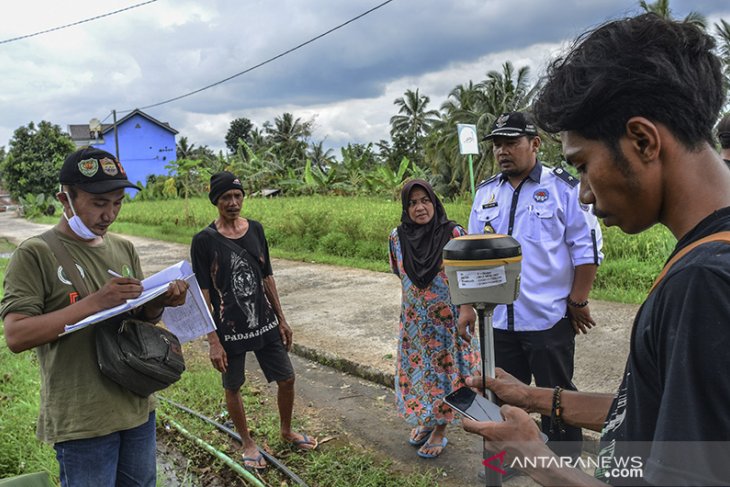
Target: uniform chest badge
[{"x": 541, "y": 195}]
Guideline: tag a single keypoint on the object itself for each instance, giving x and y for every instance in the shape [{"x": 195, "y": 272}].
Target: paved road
[{"x": 348, "y": 318}]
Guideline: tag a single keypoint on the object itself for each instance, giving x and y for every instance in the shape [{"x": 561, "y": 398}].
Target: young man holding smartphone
[{"x": 635, "y": 102}]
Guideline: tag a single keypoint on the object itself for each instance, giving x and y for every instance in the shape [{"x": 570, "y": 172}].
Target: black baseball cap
[
  {"x": 94, "y": 171},
  {"x": 512, "y": 124}
]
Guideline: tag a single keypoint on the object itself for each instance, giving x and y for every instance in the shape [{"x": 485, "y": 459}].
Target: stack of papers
[{"x": 187, "y": 322}]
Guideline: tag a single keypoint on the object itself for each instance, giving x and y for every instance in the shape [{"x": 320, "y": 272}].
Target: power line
[
  {"x": 264, "y": 62},
  {"x": 76, "y": 23}
]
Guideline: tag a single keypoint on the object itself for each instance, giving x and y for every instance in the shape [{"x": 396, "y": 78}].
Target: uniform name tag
[
  {"x": 493, "y": 204},
  {"x": 481, "y": 278}
]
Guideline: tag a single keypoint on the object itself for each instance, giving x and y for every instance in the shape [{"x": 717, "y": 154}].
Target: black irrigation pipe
[{"x": 269, "y": 458}]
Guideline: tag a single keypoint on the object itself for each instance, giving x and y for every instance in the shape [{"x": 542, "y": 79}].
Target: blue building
[{"x": 146, "y": 145}]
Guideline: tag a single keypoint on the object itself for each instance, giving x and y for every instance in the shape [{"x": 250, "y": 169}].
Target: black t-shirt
[
  {"x": 234, "y": 280},
  {"x": 673, "y": 406}
]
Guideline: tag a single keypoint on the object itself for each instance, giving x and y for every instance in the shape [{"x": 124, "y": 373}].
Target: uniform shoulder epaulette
[
  {"x": 566, "y": 177},
  {"x": 487, "y": 181}
]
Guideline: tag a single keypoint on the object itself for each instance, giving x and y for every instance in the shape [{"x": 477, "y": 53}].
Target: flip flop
[
  {"x": 256, "y": 465},
  {"x": 443, "y": 444},
  {"x": 304, "y": 441},
  {"x": 420, "y": 440}
]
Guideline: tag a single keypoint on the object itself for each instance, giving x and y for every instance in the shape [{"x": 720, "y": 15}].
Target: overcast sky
[{"x": 346, "y": 81}]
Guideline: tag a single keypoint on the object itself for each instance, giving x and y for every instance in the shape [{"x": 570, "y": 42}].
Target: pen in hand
[{"x": 112, "y": 273}]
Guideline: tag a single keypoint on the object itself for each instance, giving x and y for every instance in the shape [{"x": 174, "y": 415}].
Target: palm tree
[
  {"x": 508, "y": 91},
  {"x": 449, "y": 167},
  {"x": 413, "y": 121},
  {"x": 478, "y": 104},
  {"x": 320, "y": 157},
  {"x": 184, "y": 149},
  {"x": 288, "y": 137},
  {"x": 661, "y": 8}
]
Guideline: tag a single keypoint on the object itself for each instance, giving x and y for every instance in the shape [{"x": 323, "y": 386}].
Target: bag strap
[
  {"x": 66, "y": 261},
  {"x": 715, "y": 237},
  {"x": 225, "y": 241},
  {"x": 239, "y": 250}
]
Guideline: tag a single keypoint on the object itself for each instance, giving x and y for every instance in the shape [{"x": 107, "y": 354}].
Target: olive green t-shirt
[{"x": 77, "y": 401}]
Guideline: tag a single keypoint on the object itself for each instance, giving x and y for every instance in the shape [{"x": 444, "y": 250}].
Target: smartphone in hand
[
  {"x": 473, "y": 406},
  {"x": 476, "y": 407}
]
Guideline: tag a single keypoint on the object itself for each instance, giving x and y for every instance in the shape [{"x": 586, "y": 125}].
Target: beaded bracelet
[
  {"x": 576, "y": 304},
  {"x": 556, "y": 415}
]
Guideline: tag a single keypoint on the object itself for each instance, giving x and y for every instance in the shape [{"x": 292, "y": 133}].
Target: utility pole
[{"x": 116, "y": 138}]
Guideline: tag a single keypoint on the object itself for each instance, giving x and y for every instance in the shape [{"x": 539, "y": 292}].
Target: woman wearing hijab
[{"x": 432, "y": 359}]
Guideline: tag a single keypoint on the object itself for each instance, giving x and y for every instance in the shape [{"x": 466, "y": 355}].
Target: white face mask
[{"x": 78, "y": 226}]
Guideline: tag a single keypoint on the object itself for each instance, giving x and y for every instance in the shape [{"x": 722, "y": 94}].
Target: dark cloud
[{"x": 164, "y": 50}]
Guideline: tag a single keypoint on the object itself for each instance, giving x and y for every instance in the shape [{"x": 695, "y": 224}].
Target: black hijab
[{"x": 422, "y": 245}]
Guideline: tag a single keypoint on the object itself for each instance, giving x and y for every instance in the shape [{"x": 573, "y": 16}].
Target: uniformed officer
[{"x": 561, "y": 246}]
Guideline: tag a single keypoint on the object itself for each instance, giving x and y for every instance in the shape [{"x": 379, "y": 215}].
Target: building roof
[{"x": 79, "y": 132}]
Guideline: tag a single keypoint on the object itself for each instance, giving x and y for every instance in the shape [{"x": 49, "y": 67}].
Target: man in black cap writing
[
  {"x": 231, "y": 262},
  {"x": 103, "y": 434}
]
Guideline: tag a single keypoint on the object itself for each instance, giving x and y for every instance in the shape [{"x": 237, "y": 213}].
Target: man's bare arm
[{"x": 582, "y": 409}]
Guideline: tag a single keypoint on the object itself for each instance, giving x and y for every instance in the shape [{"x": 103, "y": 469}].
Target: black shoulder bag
[{"x": 137, "y": 355}]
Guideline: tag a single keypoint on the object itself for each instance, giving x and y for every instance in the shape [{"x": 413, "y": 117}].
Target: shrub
[
  {"x": 33, "y": 206},
  {"x": 35, "y": 158}
]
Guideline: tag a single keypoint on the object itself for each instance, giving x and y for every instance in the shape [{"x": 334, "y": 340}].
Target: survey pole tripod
[{"x": 486, "y": 343}]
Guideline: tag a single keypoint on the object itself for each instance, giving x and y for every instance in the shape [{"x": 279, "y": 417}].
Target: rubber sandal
[
  {"x": 256, "y": 465},
  {"x": 443, "y": 444},
  {"x": 420, "y": 440},
  {"x": 304, "y": 441}
]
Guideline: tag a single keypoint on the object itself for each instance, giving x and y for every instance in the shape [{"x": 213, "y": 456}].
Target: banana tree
[{"x": 317, "y": 180}]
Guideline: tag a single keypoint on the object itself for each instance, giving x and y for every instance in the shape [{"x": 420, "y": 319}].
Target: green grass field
[{"x": 353, "y": 231}]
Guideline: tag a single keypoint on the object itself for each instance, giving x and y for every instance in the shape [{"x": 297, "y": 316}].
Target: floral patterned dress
[{"x": 432, "y": 359}]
